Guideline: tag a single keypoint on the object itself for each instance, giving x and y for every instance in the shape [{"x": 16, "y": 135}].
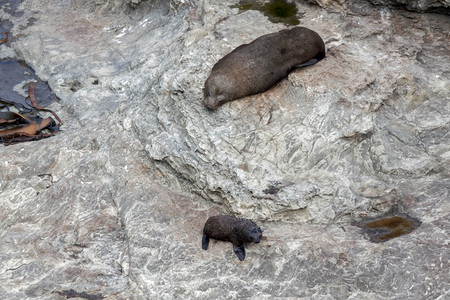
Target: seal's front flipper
[
  {"x": 205, "y": 242},
  {"x": 240, "y": 252},
  {"x": 312, "y": 61},
  {"x": 307, "y": 63}
]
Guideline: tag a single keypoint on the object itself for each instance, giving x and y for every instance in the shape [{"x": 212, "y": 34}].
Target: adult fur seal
[
  {"x": 231, "y": 229},
  {"x": 254, "y": 68}
]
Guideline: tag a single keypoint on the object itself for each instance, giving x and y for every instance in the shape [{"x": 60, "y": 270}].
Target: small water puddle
[
  {"x": 387, "y": 227},
  {"x": 11, "y": 7},
  {"x": 278, "y": 11}
]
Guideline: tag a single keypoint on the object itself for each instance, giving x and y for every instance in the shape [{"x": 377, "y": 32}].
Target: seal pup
[
  {"x": 231, "y": 229},
  {"x": 254, "y": 68}
]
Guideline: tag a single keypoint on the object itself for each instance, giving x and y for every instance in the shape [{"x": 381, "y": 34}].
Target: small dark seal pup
[
  {"x": 254, "y": 68},
  {"x": 231, "y": 229}
]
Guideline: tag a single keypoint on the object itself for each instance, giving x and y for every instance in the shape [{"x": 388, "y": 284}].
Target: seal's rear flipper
[
  {"x": 205, "y": 242},
  {"x": 240, "y": 252}
]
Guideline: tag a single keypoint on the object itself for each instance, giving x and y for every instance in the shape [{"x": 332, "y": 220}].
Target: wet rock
[{"x": 141, "y": 164}]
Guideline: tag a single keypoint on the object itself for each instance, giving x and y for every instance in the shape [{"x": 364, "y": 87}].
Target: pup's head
[{"x": 255, "y": 233}]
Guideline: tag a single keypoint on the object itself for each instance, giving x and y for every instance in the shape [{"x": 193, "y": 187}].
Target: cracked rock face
[{"x": 114, "y": 205}]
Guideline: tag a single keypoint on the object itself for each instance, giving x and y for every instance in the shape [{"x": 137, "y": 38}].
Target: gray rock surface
[
  {"x": 440, "y": 6},
  {"x": 434, "y": 6},
  {"x": 113, "y": 206}
]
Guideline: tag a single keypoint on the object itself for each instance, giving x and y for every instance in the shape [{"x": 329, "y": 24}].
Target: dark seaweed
[{"x": 74, "y": 294}]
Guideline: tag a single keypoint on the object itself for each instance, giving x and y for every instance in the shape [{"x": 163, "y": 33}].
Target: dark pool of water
[{"x": 15, "y": 74}]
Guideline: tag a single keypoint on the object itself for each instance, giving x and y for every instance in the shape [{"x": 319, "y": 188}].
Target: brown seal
[
  {"x": 254, "y": 68},
  {"x": 231, "y": 229}
]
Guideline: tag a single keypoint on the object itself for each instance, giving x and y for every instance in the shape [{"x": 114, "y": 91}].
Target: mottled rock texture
[
  {"x": 114, "y": 205},
  {"x": 439, "y": 6},
  {"x": 434, "y": 6}
]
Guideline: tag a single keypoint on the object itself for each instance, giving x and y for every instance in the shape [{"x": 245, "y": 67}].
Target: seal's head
[
  {"x": 255, "y": 234},
  {"x": 219, "y": 89},
  {"x": 212, "y": 97}
]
